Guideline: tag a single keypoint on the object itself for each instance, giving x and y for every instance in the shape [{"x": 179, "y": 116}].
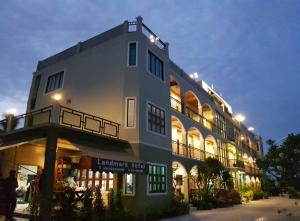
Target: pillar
[{"x": 49, "y": 167}]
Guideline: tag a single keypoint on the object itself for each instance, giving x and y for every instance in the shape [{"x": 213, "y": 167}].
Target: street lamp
[
  {"x": 57, "y": 97},
  {"x": 251, "y": 128},
  {"x": 240, "y": 117},
  {"x": 11, "y": 111}
]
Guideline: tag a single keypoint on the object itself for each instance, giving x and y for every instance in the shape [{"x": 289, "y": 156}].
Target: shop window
[
  {"x": 156, "y": 119},
  {"x": 157, "y": 179},
  {"x": 132, "y": 54},
  {"x": 88, "y": 178},
  {"x": 130, "y": 112},
  {"x": 129, "y": 184},
  {"x": 55, "y": 81}
]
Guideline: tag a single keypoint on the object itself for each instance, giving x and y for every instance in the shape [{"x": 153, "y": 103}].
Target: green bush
[{"x": 247, "y": 195}]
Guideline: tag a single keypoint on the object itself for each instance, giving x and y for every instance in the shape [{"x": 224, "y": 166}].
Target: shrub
[
  {"x": 247, "y": 195},
  {"x": 235, "y": 196},
  {"x": 86, "y": 212},
  {"x": 258, "y": 194},
  {"x": 98, "y": 205}
]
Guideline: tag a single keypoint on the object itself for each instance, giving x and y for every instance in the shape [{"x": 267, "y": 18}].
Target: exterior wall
[{"x": 97, "y": 80}]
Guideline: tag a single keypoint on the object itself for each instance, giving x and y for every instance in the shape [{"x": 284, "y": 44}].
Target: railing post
[
  {"x": 125, "y": 26},
  {"x": 139, "y": 24},
  {"x": 178, "y": 151},
  {"x": 55, "y": 114},
  {"x": 9, "y": 123}
]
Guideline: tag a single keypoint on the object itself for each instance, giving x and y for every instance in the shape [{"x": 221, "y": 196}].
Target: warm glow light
[
  {"x": 194, "y": 75},
  {"x": 251, "y": 128},
  {"x": 240, "y": 117},
  {"x": 242, "y": 138},
  {"x": 57, "y": 97},
  {"x": 11, "y": 111},
  {"x": 153, "y": 39}
]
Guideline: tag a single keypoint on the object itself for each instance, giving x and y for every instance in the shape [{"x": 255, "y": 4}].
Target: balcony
[
  {"x": 252, "y": 169},
  {"x": 233, "y": 163},
  {"x": 63, "y": 116},
  {"x": 179, "y": 148}
]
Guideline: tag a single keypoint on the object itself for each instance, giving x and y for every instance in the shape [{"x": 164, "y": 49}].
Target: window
[
  {"x": 35, "y": 91},
  {"x": 129, "y": 184},
  {"x": 130, "y": 108},
  {"x": 155, "y": 66},
  {"x": 132, "y": 54},
  {"x": 157, "y": 179},
  {"x": 221, "y": 124},
  {"x": 55, "y": 81},
  {"x": 156, "y": 119},
  {"x": 88, "y": 178}
]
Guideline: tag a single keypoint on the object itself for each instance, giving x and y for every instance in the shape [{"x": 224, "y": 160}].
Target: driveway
[{"x": 261, "y": 210}]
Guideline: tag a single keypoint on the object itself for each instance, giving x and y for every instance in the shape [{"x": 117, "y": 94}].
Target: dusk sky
[{"x": 249, "y": 50}]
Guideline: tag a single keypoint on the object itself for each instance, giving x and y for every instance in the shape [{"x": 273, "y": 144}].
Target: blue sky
[{"x": 248, "y": 49}]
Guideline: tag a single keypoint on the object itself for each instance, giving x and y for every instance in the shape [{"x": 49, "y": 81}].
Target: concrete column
[
  {"x": 48, "y": 177},
  {"x": 125, "y": 26},
  {"x": 166, "y": 48},
  {"x": 139, "y": 24},
  {"x": 182, "y": 102},
  {"x": 10, "y": 119},
  {"x": 55, "y": 113}
]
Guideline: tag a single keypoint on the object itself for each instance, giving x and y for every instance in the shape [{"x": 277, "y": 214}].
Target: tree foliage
[{"x": 282, "y": 162}]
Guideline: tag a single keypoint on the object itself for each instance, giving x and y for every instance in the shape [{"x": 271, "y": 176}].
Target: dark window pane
[{"x": 132, "y": 54}]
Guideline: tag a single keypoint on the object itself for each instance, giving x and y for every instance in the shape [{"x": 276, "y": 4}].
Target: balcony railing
[
  {"x": 196, "y": 153},
  {"x": 251, "y": 169},
  {"x": 236, "y": 163},
  {"x": 62, "y": 116},
  {"x": 176, "y": 104},
  {"x": 179, "y": 148},
  {"x": 194, "y": 115}
]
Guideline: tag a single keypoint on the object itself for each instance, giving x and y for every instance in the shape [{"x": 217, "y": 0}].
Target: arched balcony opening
[
  {"x": 210, "y": 147},
  {"x": 193, "y": 182},
  {"x": 208, "y": 116},
  {"x": 192, "y": 106},
  {"x": 178, "y": 137},
  {"x": 232, "y": 155},
  {"x": 180, "y": 181},
  {"x": 195, "y": 144},
  {"x": 175, "y": 94}
]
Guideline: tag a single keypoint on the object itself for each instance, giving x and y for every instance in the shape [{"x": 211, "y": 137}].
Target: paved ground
[{"x": 262, "y": 210}]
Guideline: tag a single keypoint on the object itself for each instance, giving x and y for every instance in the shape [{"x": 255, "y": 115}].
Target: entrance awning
[{"x": 96, "y": 151}]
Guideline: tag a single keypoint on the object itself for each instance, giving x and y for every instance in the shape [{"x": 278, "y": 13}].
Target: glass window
[
  {"x": 55, "y": 81},
  {"x": 88, "y": 178},
  {"x": 155, "y": 66},
  {"x": 130, "y": 112},
  {"x": 129, "y": 184},
  {"x": 156, "y": 119},
  {"x": 157, "y": 179},
  {"x": 132, "y": 57}
]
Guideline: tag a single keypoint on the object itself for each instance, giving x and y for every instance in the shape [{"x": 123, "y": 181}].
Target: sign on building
[{"x": 115, "y": 166}]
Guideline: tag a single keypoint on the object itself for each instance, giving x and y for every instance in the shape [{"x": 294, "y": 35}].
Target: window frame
[
  {"x": 124, "y": 184},
  {"x": 136, "y": 53},
  {"x": 166, "y": 181},
  {"x": 126, "y": 112},
  {"x": 51, "y": 75},
  {"x": 148, "y": 67},
  {"x": 147, "y": 119}
]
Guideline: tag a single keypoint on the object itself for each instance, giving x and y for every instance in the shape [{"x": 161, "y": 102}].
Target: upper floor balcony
[{"x": 62, "y": 116}]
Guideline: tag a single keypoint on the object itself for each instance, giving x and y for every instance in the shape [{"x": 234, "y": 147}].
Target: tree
[
  {"x": 282, "y": 162},
  {"x": 208, "y": 172}
]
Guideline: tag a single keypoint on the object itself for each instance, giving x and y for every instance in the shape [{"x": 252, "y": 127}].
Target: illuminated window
[
  {"x": 130, "y": 112},
  {"x": 55, "y": 81},
  {"x": 88, "y": 178},
  {"x": 132, "y": 54},
  {"x": 157, "y": 179},
  {"x": 155, "y": 66},
  {"x": 129, "y": 184}
]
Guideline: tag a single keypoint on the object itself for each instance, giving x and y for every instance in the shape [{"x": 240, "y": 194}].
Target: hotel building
[{"x": 116, "y": 111}]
